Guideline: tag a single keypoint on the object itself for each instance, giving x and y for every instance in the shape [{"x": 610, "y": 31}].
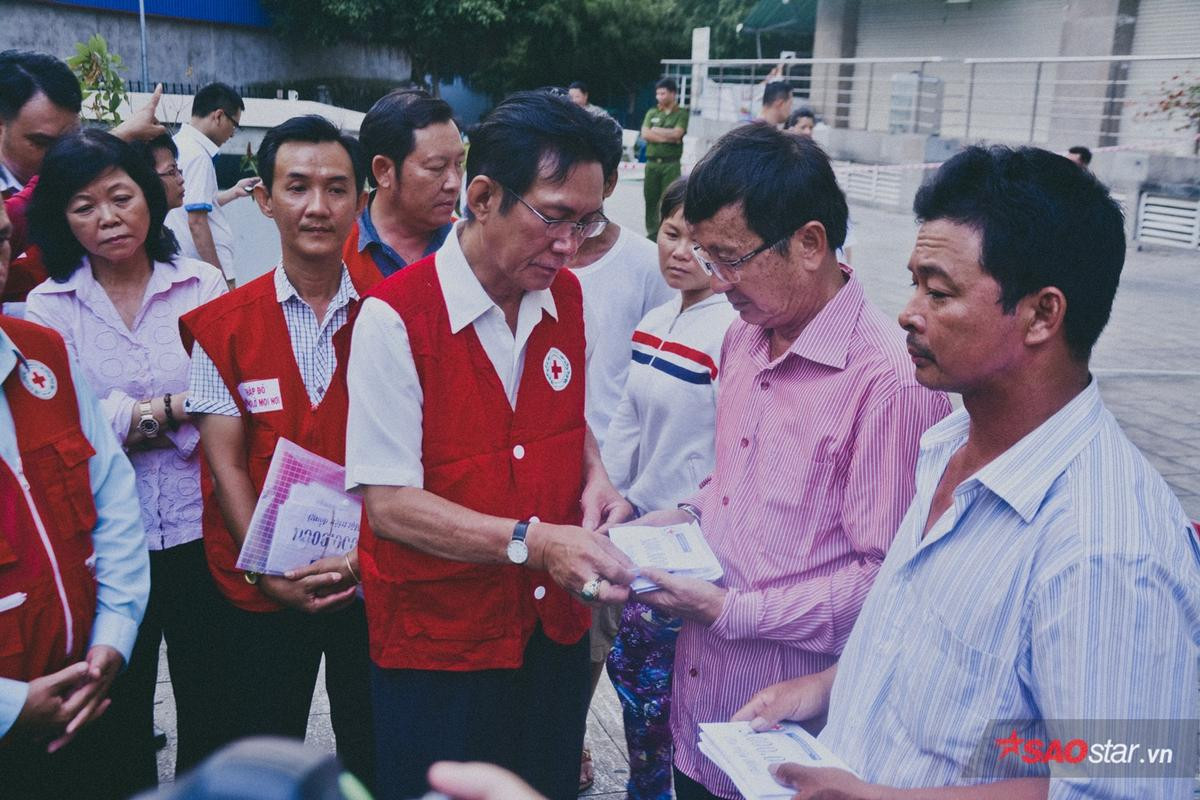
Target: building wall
[
  {"x": 181, "y": 51},
  {"x": 1002, "y": 103}
]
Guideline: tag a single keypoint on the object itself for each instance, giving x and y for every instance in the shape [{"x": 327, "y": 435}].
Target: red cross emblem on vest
[
  {"x": 557, "y": 369},
  {"x": 38, "y": 379}
]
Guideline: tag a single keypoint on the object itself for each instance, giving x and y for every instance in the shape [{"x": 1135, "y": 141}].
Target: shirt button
[
  {"x": 519, "y": 452},
  {"x": 533, "y": 520},
  {"x": 539, "y": 593},
  {"x": 765, "y": 385},
  {"x": 725, "y": 500},
  {"x": 693, "y": 672},
  {"x": 745, "y": 442}
]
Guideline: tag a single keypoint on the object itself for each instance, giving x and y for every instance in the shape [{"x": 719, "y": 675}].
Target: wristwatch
[
  {"x": 518, "y": 551},
  {"x": 147, "y": 425}
]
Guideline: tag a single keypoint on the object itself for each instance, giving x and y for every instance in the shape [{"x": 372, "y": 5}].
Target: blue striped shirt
[{"x": 1063, "y": 583}]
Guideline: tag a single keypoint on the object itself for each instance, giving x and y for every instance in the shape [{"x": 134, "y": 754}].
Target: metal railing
[{"x": 1053, "y": 102}]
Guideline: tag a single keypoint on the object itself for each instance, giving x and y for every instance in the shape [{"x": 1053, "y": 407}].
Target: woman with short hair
[{"x": 116, "y": 292}]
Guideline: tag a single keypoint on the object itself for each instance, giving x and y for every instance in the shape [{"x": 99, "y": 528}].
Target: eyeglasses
[
  {"x": 173, "y": 172},
  {"x": 730, "y": 271},
  {"x": 557, "y": 228}
]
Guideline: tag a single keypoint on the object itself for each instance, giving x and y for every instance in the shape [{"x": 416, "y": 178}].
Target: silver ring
[{"x": 591, "y": 590}]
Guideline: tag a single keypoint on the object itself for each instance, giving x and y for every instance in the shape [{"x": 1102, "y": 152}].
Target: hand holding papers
[
  {"x": 745, "y": 756},
  {"x": 302, "y": 515},
  {"x": 679, "y": 549}
]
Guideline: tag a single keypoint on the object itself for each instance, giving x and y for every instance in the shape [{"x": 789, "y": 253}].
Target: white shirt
[
  {"x": 619, "y": 289},
  {"x": 384, "y": 428},
  {"x": 196, "y": 154},
  {"x": 9, "y": 182},
  {"x": 660, "y": 442}
]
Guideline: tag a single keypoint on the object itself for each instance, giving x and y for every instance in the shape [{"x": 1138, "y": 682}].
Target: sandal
[{"x": 587, "y": 771}]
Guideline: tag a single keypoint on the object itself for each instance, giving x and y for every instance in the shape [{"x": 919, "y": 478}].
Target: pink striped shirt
[{"x": 815, "y": 463}]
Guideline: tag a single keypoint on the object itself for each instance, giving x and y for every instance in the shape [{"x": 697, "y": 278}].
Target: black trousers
[
  {"x": 530, "y": 720},
  {"x": 688, "y": 789},
  {"x": 268, "y": 667},
  {"x": 114, "y": 757}
]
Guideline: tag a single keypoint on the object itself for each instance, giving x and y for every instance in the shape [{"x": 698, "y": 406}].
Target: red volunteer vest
[
  {"x": 359, "y": 261},
  {"x": 47, "y": 590},
  {"x": 425, "y": 612},
  {"x": 25, "y": 272},
  {"x": 245, "y": 335}
]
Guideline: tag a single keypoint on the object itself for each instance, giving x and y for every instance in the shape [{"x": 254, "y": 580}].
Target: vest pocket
[
  {"x": 470, "y": 606},
  {"x": 62, "y": 471}
]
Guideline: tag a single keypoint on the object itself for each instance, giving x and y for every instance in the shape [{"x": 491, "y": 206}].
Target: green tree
[{"x": 98, "y": 71}]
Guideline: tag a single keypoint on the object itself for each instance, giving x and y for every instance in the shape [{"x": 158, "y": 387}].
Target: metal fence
[{"x": 1052, "y": 102}]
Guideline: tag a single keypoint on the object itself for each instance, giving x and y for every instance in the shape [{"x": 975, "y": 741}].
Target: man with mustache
[
  {"x": 818, "y": 420},
  {"x": 414, "y": 153},
  {"x": 264, "y": 367},
  {"x": 1043, "y": 584}
]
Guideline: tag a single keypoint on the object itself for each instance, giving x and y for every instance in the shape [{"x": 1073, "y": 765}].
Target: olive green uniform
[{"x": 662, "y": 161}]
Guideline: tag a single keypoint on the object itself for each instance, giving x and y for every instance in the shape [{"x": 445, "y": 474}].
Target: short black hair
[
  {"x": 669, "y": 84},
  {"x": 782, "y": 182},
  {"x": 23, "y": 74},
  {"x": 387, "y": 129},
  {"x": 803, "y": 112},
  {"x": 72, "y": 163},
  {"x": 673, "y": 197},
  {"x": 312, "y": 128},
  {"x": 1085, "y": 155},
  {"x": 612, "y": 139},
  {"x": 776, "y": 91},
  {"x": 532, "y": 134},
  {"x": 217, "y": 96},
  {"x": 580, "y": 85},
  {"x": 1042, "y": 222},
  {"x": 160, "y": 142}
]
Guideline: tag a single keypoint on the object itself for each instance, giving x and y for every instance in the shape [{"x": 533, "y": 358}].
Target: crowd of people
[{"x": 505, "y": 374}]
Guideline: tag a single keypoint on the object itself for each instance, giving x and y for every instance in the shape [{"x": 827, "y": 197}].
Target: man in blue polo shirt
[{"x": 415, "y": 154}]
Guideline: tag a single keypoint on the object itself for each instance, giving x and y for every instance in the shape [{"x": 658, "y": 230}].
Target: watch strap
[{"x": 521, "y": 530}]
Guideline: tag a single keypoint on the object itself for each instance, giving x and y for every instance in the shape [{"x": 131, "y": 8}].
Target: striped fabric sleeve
[
  {"x": 1133, "y": 604},
  {"x": 207, "y": 392}
]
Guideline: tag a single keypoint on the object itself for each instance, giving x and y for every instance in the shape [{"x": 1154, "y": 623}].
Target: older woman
[{"x": 116, "y": 294}]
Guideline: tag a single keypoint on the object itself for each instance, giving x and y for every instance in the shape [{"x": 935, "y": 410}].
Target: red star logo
[
  {"x": 1011, "y": 744},
  {"x": 39, "y": 379},
  {"x": 555, "y": 369}
]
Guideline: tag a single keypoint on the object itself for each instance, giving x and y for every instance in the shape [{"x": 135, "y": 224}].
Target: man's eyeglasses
[
  {"x": 730, "y": 271},
  {"x": 558, "y": 228}
]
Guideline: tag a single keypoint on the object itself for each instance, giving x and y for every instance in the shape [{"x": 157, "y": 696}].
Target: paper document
[
  {"x": 302, "y": 515},
  {"x": 678, "y": 549},
  {"x": 744, "y": 755}
]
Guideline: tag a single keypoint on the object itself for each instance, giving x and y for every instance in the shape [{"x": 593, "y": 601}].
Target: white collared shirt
[
  {"x": 384, "y": 431},
  {"x": 9, "y": 182},
  {"x": 196, "y": 154}
]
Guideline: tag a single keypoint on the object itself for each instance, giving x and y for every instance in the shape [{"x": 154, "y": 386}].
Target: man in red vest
[
  {"x": 40, "y": 100},
  {"x": 74, "y": 574},
  {"x": 483, "y": 485},
  {"x": 415, "y": 156},
  {"x": 264, "y": 367}
]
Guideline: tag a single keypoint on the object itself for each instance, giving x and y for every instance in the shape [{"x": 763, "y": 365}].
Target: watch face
[
  {"x": 518, "y": 553},
  {"x": 148, "y": 427}
]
